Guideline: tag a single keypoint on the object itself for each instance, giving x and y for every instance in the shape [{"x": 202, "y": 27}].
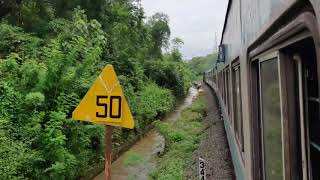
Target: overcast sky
[{"x": 194, "y": 21}]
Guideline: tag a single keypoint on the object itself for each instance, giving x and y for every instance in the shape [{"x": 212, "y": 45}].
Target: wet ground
[
  {"x": 139, "y": 161},
  {"x": 214, "y": 147}
]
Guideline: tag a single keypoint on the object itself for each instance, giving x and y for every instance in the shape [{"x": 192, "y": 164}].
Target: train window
[
  {"x": 227, "y": 95},
  {"x": 271, "y": 119},
  {"x": 228, "y": 98},
  {"x": 255, "y": 124},
  {"x": 304, "y": 82},
  {"x": 215, "y": 78},
  {"x": 237, "y": 109},
  {"x": 224, "y": 87},
  {"x": 221, "y": 83},
  {"x": 218, "y": 80}
]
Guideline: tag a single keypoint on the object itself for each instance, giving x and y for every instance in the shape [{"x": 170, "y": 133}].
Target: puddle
[{"x": 139, "y": 161}]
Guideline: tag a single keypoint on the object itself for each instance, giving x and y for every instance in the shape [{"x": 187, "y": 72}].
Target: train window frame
[
  {"x": 293, "y": 67},
  {"x": 222, "y": 87},
  {"x": 259, "y": 60},
  {"x": 255, "y": 141},
  {"x": 229, "y": 93},
  {"x": 216, "y": 78},
  {"x": 229, "y": 98},
  {"x": 289, "y": 66},
  {"x": 219, "y": 83},
  {"x": 287, "y": 106},
  {"x": 253, "y": 56},
  {"x": 235, "y": 68},
  {"x": 225, "y": 87}
]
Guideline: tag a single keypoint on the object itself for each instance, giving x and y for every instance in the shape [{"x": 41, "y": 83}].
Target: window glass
[
  {"x": 228, "y": 93},
  {"x": 271, "y": 119},
  {"x": 224, "y": 87},
  {"x": 222, "y": 84},
  {"x": 237, "y": 106},
  {"x": 219, "y": 81},
  {"x": 220, "y": 87}
]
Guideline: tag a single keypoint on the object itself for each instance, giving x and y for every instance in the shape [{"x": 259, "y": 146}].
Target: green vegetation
[
  {"x": 182, "y": 139},
  {"x": 50, "y": 53},
  {"x": 202, "y": 64},
  {"x": 134, "y": 159}
]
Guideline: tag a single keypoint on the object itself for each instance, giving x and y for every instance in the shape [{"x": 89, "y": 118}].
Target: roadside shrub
[
  {"x": 175, "y": 76},
  {"x": 152, "y": 102}
]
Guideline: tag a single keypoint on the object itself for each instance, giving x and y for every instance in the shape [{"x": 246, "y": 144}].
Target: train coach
[{"x": 268, "y": 88}]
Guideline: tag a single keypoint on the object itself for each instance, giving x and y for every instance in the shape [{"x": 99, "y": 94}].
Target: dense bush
[
  {"x": 49, "y": 58},
  {"x": 152, "y": 102},
  {"x": 170, "y": 74}
]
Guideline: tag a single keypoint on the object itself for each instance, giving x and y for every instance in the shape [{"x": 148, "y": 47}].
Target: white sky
[{"x": 194, "y": 21}]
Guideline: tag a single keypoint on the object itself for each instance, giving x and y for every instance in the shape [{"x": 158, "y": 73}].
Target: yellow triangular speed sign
[{"x": 105, "y": 102}]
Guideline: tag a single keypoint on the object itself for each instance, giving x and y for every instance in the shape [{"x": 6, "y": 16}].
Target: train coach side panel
[
  {"x": 232, "y": 33},
  {"x": 257, "y": 16},
  {"x": 246, "y": 20}
]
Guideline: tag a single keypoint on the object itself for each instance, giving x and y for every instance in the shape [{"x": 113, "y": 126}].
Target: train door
[{"x": 300, "y": 83}]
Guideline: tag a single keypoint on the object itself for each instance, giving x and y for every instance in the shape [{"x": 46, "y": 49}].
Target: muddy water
[{"x": 139, "y": 161}]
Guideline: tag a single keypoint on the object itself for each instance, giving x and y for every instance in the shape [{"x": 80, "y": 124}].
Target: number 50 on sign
[{"x": 105, "y": 102}]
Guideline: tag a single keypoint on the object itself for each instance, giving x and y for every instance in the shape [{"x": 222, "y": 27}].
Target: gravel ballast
[{"x": 214, "y": 147}]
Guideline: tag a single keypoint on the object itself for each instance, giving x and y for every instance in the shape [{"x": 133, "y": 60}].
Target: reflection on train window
[
  {"x": 271, "y": 119},
  {"x": 237, "y": 106}
]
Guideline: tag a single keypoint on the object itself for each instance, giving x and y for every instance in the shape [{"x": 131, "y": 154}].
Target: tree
[
  {"x": 202, "y": 64},
  {"x": 160, "y": 32},
  {"x": 176, "y": 44}
]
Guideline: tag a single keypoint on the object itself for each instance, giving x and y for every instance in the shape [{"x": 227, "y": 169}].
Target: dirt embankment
[{"x": 214, "y": 147}]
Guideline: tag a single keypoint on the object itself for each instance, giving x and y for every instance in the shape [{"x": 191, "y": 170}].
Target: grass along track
[{"x": 182, "y": 138}]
